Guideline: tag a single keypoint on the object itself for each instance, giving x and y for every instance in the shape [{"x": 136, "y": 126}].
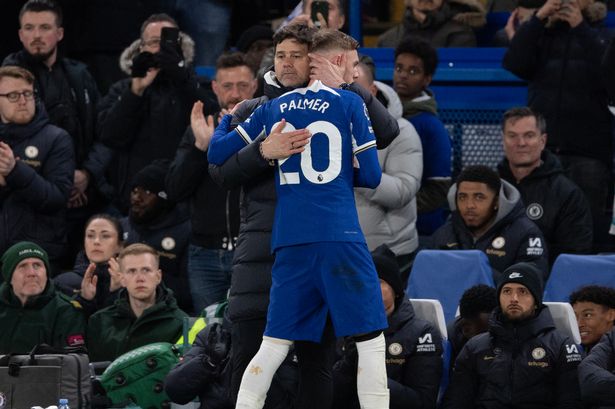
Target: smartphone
[
  {"x": 321, "y": 7},
  {"x": 169, "y": 38}
]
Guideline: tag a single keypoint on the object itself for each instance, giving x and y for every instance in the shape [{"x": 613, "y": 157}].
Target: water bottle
[{"x": 63, "y": 404}]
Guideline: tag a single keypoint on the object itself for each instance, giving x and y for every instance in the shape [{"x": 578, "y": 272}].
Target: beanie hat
[
  {"x": 21, "y": 251},
  {"x": 388, "y": 269},
  {"x": 252, "y": 35},
  {"x": 152, "y": 178},
  {"x": 526, "y": 274}
]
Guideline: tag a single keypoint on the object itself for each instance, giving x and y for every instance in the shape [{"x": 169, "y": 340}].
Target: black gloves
[
  {"x": 143, "y": 62},
  {"x": 218, "y": 346},
  {"x": 171, "y": 61}
]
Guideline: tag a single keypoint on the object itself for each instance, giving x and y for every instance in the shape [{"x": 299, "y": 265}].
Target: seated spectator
[
  {"x": 443, "y": 23},
  {"x": 414, "y": 348},
  {"x": 143, "y": 117},
  {"x": 145, "y": 311},
  {"x": 597, "y": 374},
  {"x": 552, "y": 201},
  {"x": 523, "y": 361},
  {"x": 387, "y": 214},
  {"x": 36, "y": 169},
  {"x": 415, "y": 66},
  {"x": 31, "y": 311},
  {"x": 475, "y": 307},
  {"x": 594, "y": 307},
  {"x": 161, "y": 224},
  {"x": 488, "y": 215},
  {"x": 103, "y": 240}
]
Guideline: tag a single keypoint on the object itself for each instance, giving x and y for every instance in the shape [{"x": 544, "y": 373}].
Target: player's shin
[
  {"x": 372, "y": 374},
  {"x": 257, "y": 377}
]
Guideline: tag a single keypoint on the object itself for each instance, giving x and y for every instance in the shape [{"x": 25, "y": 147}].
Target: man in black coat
[
  {"x": 523, "y": 361},
  {"x": 488, "y": 215},
  {"x": 36, "y": 169},
  {"x": 597, "y": 374},
  {"x": 552, "y": 201},
  {"x": 143, "y": 118},
  {"x": 215, "y": 210},
  {"x": 69, "y": 93},
  {"x": 251, "y": 169},
  {"x": 413, "y": 354},
  {"x": 559, "y": 51}
]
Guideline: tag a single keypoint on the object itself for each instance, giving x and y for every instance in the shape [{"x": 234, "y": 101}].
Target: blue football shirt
[{"x": 315, "y": 187}]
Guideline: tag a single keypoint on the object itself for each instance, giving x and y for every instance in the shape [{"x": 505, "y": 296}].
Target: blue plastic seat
[
  {"x": 445, "y": 274},
  {"x": 571, "y": 271}
]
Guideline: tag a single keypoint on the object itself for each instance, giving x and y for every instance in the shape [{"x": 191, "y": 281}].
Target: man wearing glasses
[
  {"x": 36, "y": 168},
  {"x": 145, "y": 311}
]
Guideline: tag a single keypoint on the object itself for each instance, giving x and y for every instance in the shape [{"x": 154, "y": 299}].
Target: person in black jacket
[
  {"x": 37, "y": 163},
  {"x": 523, "y": 361},
  {"x": 215, "y": 210},
  {"x": 414, "y": 349},
  {"x": 488, "y": 215},
  {"x": 559, "y": 51},
  {"x": 143, "y": 118},
  {"x": 69, "y": 93},
  {"x": 475, "y": 307},
  {"x": 552, "y": 201},
  {"x": 161, "y": 224},
  {"x": 251, "y": 277},
  {"x": 597, "y": 374}
]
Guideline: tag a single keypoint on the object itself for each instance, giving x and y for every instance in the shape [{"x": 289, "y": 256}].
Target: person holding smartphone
[
  {"x": 143, "y": 117},
  {"x": 322, "y": 14}
]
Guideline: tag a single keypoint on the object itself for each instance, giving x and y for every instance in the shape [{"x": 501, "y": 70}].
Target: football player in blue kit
[{"x": 322, "y": 263}]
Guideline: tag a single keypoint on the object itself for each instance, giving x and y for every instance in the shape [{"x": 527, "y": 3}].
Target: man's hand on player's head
[
  {"x": 280, "y": 145},
  {"x": 324, "y": 70}
]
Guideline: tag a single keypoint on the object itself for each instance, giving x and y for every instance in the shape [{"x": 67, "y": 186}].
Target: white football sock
[
  {"x": 372, "y": 374},
  {"x": 257, "y": 377}
]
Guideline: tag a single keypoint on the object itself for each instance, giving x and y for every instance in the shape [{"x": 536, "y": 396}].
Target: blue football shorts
[{"x": 311, "y": 280}]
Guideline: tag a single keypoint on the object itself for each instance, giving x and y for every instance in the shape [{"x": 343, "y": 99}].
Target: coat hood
[
  {"x": 393, "y": 103},
  {"x": 468, "y": 12},
  {"x": 133, "y": 49},
  {"x": 508, "y": 331},
  {"x": 471, "y": 13},
  {"x": 509, "y": 198}
]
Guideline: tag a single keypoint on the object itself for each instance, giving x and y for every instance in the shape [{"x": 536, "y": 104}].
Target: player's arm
[
  {"x": 367, "y": 170},
  {"x": 224, "y": 143}
]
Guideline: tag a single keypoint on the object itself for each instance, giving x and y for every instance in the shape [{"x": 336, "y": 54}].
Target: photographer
[{"x": 143, "y": 117}]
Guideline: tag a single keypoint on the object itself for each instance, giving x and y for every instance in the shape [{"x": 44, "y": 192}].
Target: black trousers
[{"x": 307, "y": 387}]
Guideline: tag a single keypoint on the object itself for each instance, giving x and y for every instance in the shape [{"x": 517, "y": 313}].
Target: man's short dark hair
[
  {"x": 38, "y": 6},
  {"x": 298, "y": 32},
  {"x": 596, "y": 294},
  {"x": 328, "y": 39},
  {"x": 516, "y": 113},
  {"x": 231, "y": 60},
  {"x": 370, "y": 67},
  {"x": 158, "y": 18},
  {"x": 480, "y": 174},
  {"x": 478, "y": 299},
  {"x": 421, "y": 49}
]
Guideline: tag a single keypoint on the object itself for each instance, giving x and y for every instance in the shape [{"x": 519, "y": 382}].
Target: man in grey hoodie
[{"x": 488, "y": 215}]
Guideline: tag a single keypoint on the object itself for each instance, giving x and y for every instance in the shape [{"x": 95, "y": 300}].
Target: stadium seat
[
  {"x": 571, "y": 272},
  {"x": 445, "y": 274},
  {"x": 564, "y": 319},
  {"x": 431, "y": 310}
]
